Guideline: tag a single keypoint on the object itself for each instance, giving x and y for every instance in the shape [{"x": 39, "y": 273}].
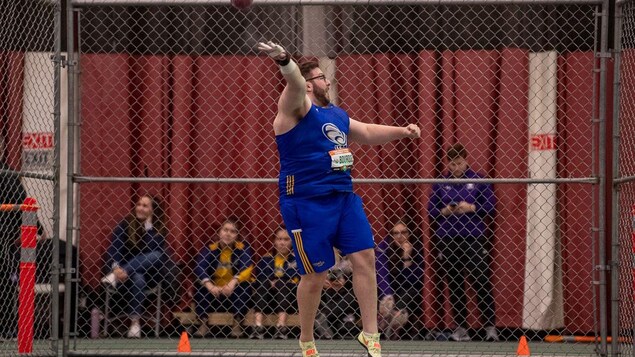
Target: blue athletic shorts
[{"x": 317, "y": 224}]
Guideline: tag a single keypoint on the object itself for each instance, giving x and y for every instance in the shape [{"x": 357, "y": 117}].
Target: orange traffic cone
[
  {"x": 184, "y": 343},
  {"x": 523, "y": 347}
]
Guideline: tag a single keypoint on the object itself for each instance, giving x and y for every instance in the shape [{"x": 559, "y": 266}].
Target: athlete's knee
[
  {"x": 313, "y": 281},
  {"x": 363, "y": 261}
]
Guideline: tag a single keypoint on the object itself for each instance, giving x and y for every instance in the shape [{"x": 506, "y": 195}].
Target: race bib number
[{"x": 341, "y": 159}]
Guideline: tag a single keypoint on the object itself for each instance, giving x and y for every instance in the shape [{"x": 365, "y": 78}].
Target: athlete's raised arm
[{"x": 293, "y": 103}]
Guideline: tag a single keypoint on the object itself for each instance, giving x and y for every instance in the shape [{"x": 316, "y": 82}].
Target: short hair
[
  {"x": 455, "y": 151},
  {"x": 307, "y": 67}
]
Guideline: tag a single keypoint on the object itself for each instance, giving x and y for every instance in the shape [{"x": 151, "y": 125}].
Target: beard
[{"x": 321, "y": 96}]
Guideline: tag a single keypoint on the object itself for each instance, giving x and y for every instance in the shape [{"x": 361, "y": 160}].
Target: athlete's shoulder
[{"x": 336, "y": 108}]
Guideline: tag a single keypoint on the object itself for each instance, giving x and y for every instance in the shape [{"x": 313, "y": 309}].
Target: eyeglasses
[
  {"x": 321, "y": 77},
  {"x": 404, "y": 232}
]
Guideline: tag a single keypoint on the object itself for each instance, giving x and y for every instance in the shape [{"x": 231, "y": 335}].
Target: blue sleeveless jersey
[{"x": 305, "y": 162}]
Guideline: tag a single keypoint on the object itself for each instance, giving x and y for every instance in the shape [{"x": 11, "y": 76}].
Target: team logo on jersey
[{"x": 334, "y": 134}]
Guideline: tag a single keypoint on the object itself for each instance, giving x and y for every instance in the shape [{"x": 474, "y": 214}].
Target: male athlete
[{"x": 317, "y": 202}]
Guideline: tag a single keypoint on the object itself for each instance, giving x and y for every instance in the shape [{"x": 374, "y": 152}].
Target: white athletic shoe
[
  {"x": 491, "y": 334},
  {"x": 109, "y": 279},
  {"x": 460, "y": 334},
  {"x": 135, "y": 330}
]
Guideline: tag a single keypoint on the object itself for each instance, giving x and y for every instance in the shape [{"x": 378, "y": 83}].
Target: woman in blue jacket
[{"x": 136, "y": 255}]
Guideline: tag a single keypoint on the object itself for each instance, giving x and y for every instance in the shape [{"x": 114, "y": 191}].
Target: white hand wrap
[
  {"x": 276, "y": 50},
  {"x": 280, "y": 55},
  {"x": 289, "y": 68},
  {"x": 272, "y": 50}
]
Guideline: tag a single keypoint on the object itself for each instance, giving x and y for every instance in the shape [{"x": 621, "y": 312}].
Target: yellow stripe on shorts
[
  {"x": 297, "y": 236},
  {"x": 290, "y": 184}
]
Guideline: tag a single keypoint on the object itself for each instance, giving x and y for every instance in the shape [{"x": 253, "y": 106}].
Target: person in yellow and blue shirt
[
  {"x": 277, "y": 278},
  {"x": 223, "y": 270}
]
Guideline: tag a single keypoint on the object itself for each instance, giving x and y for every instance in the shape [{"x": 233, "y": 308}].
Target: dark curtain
[
  {"x": 352, "y": 29},
  {"x": 408, "y": 28}
]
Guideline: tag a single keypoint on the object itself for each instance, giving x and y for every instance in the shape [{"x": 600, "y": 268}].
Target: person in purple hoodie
[
  {"x": 459, "y": 213},
  {"x": 399, "y": 268}
]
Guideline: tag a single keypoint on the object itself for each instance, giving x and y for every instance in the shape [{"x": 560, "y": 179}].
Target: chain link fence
[
  {"x": 29, "y": 131},
  {"x": 172, "y": 110},
  {"x": 176, "y": 103},
  {"x": 624, "y": 216}
]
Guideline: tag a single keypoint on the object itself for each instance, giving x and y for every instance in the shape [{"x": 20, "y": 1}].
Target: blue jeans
[{"x": 137, "y": 269}]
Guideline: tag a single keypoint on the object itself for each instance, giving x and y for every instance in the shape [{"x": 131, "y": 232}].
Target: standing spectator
[
  {"x": 276, "y": 282},
  {"x": 460, "y": 212},
  {"x": 400, "y": 281},
  {"x": 223, "y": 270},
  {"x": 136, "y": 256}
]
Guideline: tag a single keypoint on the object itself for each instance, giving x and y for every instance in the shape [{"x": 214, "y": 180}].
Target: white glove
[{"x": 273, "y": 50}]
